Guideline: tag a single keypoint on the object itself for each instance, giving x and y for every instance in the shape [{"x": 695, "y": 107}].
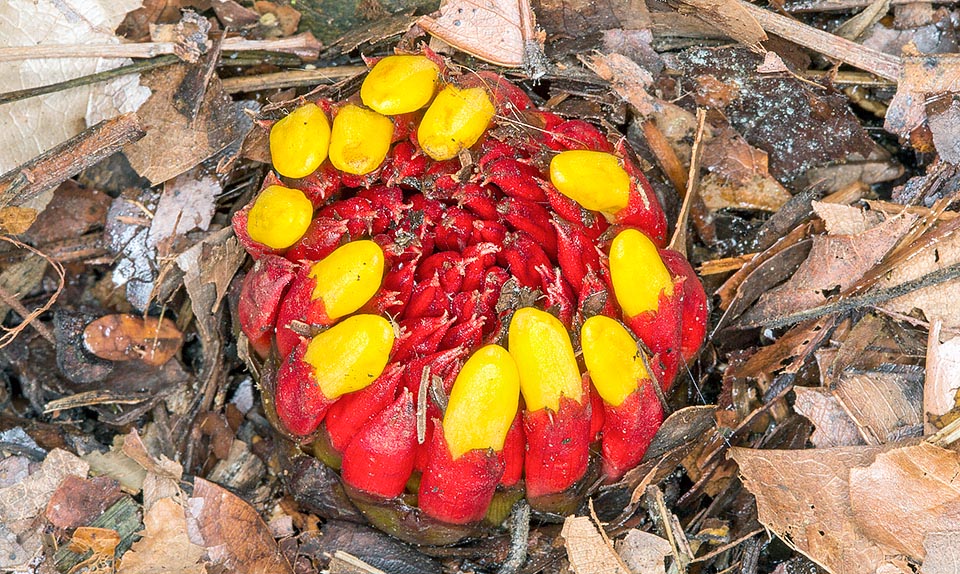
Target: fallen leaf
[
  {"x": 78, "y": 501},
  {"x": 738, "y": 175},
  {"x": 123, "y": 337},
  {"x": 34, "y": 125},
  {"x": 174, "y": 142},
  {"x": 125, "y": 235},
  {"x": 772, "y": 64},
  {"x": 13, "y": 556},
  {"x": 729, "y": 17},
  {"x": 942, "y": 553},
  {"x": 587, "y": 550},
  {"x": 833, "y": 424},
  {"x": 920, "y": 483},
  {"x": 234, "y": 535},
  {"x": 943, "y": 376},
  {"x": 163, "y": 475},
  {"x": 922, "y": 77},
  {"x": 643, "y": 553},
  {"x": 370, "y": 545},
  {"x": 28, "y": 498},
  {"x": 835, "y": 263},
  {"x": 117, "y": 465},
  {"x": 164, "y": 545},
  {"x": 502, "y": 32},
  {"x": 842, "y": 219},
  {"x": 101, "y": 541},
  {"x": 885, "y": 404},
  {"x": 187, "y": 203},
  {"x": 804, "y": 497}
]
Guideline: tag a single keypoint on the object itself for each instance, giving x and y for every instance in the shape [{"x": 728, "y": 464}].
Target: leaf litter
[{"x": 129, "y": 428}]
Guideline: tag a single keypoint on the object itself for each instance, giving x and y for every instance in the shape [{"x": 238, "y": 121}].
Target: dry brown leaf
[
  {"x": 924, "y": 78},
  {"x": 942, "y": 553},
  {"x": 187, "y": 203},
  {"x": 117, "y": 465},
  {"x": 123, "y": 337},
  {"x": 101, "y": 541},
  {"x": 502, "y": 32},
  {"x": 163, "y": 475},
  {"x": 835, "y": 263},
  {"x": 739, "y": 177},
  {"x": 729, "y": 17},
  {"x": 943, "y": 376},
  {"x": 885, "y": 404},
  {"x": 804, "y": 497},
  {"x": 833, "y": 424},
  {"x": 587, "y": 550},
  {"x": 164, "y": 545},
  {"x": 232, "y": 532},
  {"x": 840, "y": 219},
  {"x": 643, "y": 553},
  {"x": 37, "y": 124},
  {"x": 174, "y": 142},
  {"x": 905, "y": 494},
  {"x": 28, "y": 498}
]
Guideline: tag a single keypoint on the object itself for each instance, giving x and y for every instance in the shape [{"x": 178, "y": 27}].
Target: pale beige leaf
[
  {"x": 803, "y": 496},
  {"x": 587, "y": 550},
  {"x": 643, "y": 552},
  {"x": 164, "y": 545},
  {"x": 29, "y": 127},
  {"x": 943, "y": 375},
  {"x": 943, "y": 553},
  {"x": 905, "y": 494},
  {"x": 30, "y": 496}
]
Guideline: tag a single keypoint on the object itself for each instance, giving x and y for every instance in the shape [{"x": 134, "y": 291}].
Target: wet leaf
[
  {"x": 124, "y": 337},
  {"x": 232, "y": 532},
  {"x": 164, "y": 545}
]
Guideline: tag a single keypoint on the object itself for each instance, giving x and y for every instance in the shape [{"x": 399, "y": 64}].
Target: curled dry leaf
[
  {"x": 123, "y": 337},
  {"x": 502, "y": 32}
]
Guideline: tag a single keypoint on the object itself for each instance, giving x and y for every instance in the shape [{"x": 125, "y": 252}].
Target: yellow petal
[
  {"x": 637, "y": 272},
  {"x": 279, "y": 217},
  {"x": 400, "y": 84},
  {"x": 594, "y": 179},
  {"x": 350, "y": 355},
  {"x": 613, "y": 359},
  {"x": 540, "y": 345},
  {"x": 360, "y": 140},
  {"x": 348, "y": 277},
  {"x": 299, "y": 142},
  {"x": 454, "y": 121}
]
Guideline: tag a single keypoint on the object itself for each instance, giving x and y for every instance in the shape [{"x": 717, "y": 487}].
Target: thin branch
[
  {"x": 290, "y": 79},
  {"x": 830, "y": 45}
]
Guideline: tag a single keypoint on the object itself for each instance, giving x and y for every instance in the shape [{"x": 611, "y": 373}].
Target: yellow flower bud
[
  {"x": 638, "y": 273},
  {"x": 483, "y": 402},
  {"x": 348, "y": 277},
  {"x": 613, "y": 359},
  {"x": 454, "y": 121},
  {"x": 299, "y": 142},
  {"x": 350, "y": 355},
  {"x": 540, "y": 345},
  {"x": 360, "y": 140},
  {"x": 279, "y": 217},
  {"x": 594, "y": 179},
  {"x": 400, "y": 84}
]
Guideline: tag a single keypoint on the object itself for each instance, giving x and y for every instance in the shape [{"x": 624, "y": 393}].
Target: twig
[
  {"x": 303, "y": 45},
  {"x": 134, "y": 68},
  {"x": 869, "y": 299},
  {"x": 56, "y": 165},
  {"x": 28, "y": 317},
  {"x": 679, "y": 240},
  {"x": 844, "y": 5},
  {"x": 290, "y": 79},
  {"x": 830, "y": 45}
]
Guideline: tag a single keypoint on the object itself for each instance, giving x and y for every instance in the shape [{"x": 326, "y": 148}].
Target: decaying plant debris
[{"x": 806, "y": 150}]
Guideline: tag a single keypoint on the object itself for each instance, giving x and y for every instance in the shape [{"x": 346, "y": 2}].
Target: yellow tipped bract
[
  {"x": 483, "y": 402},
  {"x": 400, "y": 84},
  {"x": 299, "y": 142},
  {"x": 360, "y": 140},
  {"x": 454, "y": 121},
  {"x": 613, "y": 359},
  {"x": 638, "y": 273},
  {"x": 540, "y": 345},
  {"x": 279, "y": 217},
  {"x": 348, "y": 277},
  {"x": 594, "y": 179},
  {"x": 350, "y": 355}
]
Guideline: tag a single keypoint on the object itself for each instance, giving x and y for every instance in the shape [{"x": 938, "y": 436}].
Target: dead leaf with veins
[
  {"x": 943, "y": 376},
  {"x": 34, "y": 125},
  {"x": 588, "y": 551},
  {"x": 502, "y": 32},
  {"x": 164, "y": 545}
]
